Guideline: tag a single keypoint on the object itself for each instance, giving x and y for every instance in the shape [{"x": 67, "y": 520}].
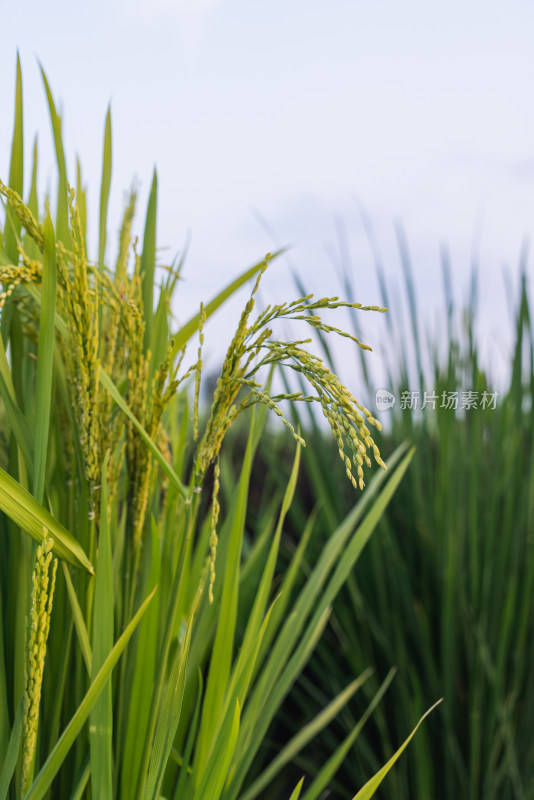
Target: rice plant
[
  {"x": 143, "y": 653},
  {"x": 445, "y": 590}
]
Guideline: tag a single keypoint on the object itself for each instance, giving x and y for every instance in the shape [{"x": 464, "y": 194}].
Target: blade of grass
[
  {"x": 79, "y": 622},
  {"x": 33, "y": 204},
  {"x": 372, "y": 785},
  {"x": 214, "y": 776},
  {"x": 101, "y": 717},
  {"x": 81, "y": 202},
  {"x": 303, "y": 737},
  {"x": 16, "y": 173},
  {"x": 276, "y": 679},
  {"x": 288, "y": 583},
  {"x": 82, "y": 783},
  {"x": 144, "y": 671},
  {"x": 4, "y": 706},
  {"x": 62, "y": 214},
  {"x": 148, "y": 261},
  {"x": 182, "y": 336},
  {"x": 16, "y": 419},
  {"x": 221, "y": 656},
  {"x": 11, "y": 753},
  {"x": 32, "y": 517},
  {"x": 169, "y": 714},
  {"x": 116, "y": 396},
  {"x": 45, "y": 360},
  {"x": 262, "y": 715},
  {"x": 328, "y": 770},
  {"x": 295, "y": 794},
  {"x": 104, "y": 192},
  {"x": 54, "y": 761},
  {"x": 253, "y": 640},
  {"x": 185, "y": 771}
]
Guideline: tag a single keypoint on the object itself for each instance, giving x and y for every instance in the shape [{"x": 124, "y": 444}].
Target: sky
[{"x": 275, "y": 123}]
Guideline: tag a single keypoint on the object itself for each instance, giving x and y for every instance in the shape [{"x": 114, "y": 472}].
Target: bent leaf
[
  {"x": 372, "y": 785},
  {"x": 116, "y": 396},
  {"x": 187, "y": 331},
  {"x": 19, "y": 505},
  {"x": 57, "y": 756}
]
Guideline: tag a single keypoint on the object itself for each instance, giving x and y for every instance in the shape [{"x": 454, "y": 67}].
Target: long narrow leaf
[
  {"x": 79, "y": 622},
  {"x": 182, "y": 336},
  {"x": 329, "y": 769},
  {"x": 15, "y": 418},
  {"x": 144, "y": 671},
  {"x": 372, "y": 785},
  {"x": 10, "y": 757},
  {"x": 32, "y": 517},
  {"x": 101, "y": 719},
  {"x": 214, "y": 777},
  {"x": 16, "y": 172},
  {"x": 148, "y": 261},
  {"x": 221, "y": 656},
  {"x": 305, "y": 735},
  {"x": 169, "y": 715},
  {"x": 116, "y": 396},
  {"x": 57, "y": 756},
  {"x": 62, "y": 214},
  {"x": 45, "y": 359},
  {"x": 295, "y": 794},
  {"x": 104, "y": 192}
]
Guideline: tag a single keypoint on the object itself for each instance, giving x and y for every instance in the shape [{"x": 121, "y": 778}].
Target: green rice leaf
[
  {"x": 148, "y": 261},
  {"x": 33, "y": 204},
  {"x": 82, "y": 783},
  {"x": 79, "y": 622},
  {"x": 328, "y": 770},
  {"x": 10, "y": 758},
  {"x": 45, "y": 359},
  {"x": 255, "y": 630},
  {"x": 182, "y": 336},
  {"x": 104, "y": 192},
  {"x": 185, "y": 770},
  {"x": 303, "y": 737},
  {"x": 295, "y": 794},
  {"x": 4, "y": 707},
  {"x": 293, "y": 647},
  {"x": 32, "y": 517},
  {"x": 101, "y": 718},
  {"x": 144, "y": 672},
  {"x": 16, "y": 175},
  {"x": 116, "y": 396},
  {"x": 62, "y": 215},
  {"x": 15, "y": 418},
  {"x": 169, "y": 713},
  {"x": 214, "y": 776},
  {"x": 54, "y": 761},
  {"x": 221, "y": 656},
  {"x": 372, "y": 785}
]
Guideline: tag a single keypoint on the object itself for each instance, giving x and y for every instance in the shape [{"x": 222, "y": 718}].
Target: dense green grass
[
  {"x": 155, "y": 649},
  {"x": 445, "y": 590}
]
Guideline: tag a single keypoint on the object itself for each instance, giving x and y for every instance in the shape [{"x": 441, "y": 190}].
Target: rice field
[
  {"x": 444, "y": 592},
  {"x": 148, "y": 642}
]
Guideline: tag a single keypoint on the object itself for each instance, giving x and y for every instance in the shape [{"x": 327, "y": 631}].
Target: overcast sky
[{"x": 294, "y": 111}]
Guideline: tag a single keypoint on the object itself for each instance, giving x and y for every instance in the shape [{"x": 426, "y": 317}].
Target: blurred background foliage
[{"x": 444, "y": 591}]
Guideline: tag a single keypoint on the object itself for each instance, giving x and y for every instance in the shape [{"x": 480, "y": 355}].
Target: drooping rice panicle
[{"x": 251, "y": 349}]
